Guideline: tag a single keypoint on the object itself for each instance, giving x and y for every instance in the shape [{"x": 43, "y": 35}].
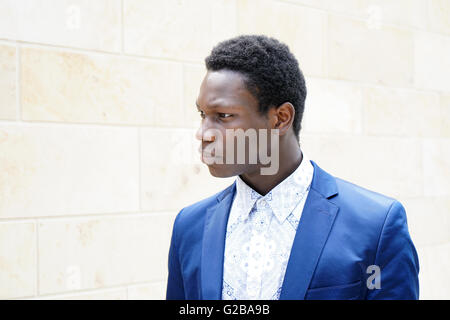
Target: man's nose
[{"x": 204, "y": 133}]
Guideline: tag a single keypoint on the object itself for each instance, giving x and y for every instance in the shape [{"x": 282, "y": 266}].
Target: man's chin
[{"x": 221, "y": 170}]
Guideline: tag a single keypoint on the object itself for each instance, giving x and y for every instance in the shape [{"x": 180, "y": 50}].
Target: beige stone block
[
  {"x": 223, "y": 20},
  {"x": 177, "y": 29},
  {"x": 172, "y": 175},
  {"x": 302, "y": 29},
  {"x": 73, "y": 23},
  {"x": 17, "y": 259},
  {"x": 55, "y": 170},
  {"x": 88, "y": 253},
  {"x": 436, "y": 164},
  {"x": 391, "y": 166},
  {"x": 381, "y": 55},
  {"x": 375, "y": 12},
  {"x": 150, "y": 291},
  {"x": 332, "y": 107},
  {"x": 111, "y": 294},
  {"x": 7, "y": 82},
  {"x": 401, "y": 112},
  {"x": 445, "y": 105},
  {"x": 9, "y": 22},
  {"x": 433, "y": 276},
  {"x": 428, "y": 219},
  {"x": 72, "y": 87},
  {"x": 431, "y": 66},
  {"x": 192, "y": 79},
  {"x": 439, "y": 16},
  {"x": 342, "y": 6},
  {"x": 402, "y": 12}
]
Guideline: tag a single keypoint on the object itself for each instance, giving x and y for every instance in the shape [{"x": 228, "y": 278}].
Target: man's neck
[{"x": 290, "y": 158}]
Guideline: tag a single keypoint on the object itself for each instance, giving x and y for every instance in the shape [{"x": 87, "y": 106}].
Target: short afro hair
[{"x": 271, "y": 71}]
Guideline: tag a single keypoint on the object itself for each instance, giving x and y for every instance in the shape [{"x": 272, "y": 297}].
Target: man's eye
[
  {"x": 202, "y": 115},
  {"x": 225, "y": 115}
]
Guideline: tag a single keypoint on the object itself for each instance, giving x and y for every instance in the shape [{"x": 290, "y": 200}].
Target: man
[{"x": 296, "y": 233}]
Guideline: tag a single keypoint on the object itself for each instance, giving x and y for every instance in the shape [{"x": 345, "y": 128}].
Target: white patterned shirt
[{"x": 260, "y": 233}]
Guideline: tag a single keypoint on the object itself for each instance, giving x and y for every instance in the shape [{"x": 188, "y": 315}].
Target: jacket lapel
[
  {"x": 214, "y": 245},
  {"x": 315, "y": 224}
]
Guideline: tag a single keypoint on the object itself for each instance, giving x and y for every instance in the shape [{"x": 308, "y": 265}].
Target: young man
[{"x": 292, "y": 231}]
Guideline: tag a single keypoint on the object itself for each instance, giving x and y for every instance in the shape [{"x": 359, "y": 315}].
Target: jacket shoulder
[
  {"x": 194, "y": 213},
  {"x": 364, "y": 207},
  {"x": 355, "y": 193}
]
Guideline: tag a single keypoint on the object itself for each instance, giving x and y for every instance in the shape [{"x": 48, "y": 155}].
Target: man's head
[{"x": 253, "y": 82}]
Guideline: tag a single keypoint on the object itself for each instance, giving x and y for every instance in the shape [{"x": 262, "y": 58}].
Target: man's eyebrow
[{"x": 214, "y": 106}]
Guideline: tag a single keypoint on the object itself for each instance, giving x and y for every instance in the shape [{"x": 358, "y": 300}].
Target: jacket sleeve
[
  {"x": 397, "y": 259},
  {"x": 175, "y": 287}
]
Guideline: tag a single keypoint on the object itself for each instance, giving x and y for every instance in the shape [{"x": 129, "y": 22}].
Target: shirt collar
[{"x": 283, "y": 198}]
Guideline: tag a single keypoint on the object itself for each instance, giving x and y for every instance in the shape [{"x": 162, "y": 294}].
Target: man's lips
[
  {"x": 206, "y": 156},
  {"x": 205, "y": 153}
]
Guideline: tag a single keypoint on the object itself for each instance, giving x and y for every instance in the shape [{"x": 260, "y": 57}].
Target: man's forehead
[{"x": 225, "y": 87}]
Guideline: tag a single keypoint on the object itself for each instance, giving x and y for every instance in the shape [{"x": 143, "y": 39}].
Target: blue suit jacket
[{"x": 343, "y": 230}]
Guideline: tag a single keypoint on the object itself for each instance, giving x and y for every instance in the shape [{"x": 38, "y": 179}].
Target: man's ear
[{"x": 282, "y": 117}]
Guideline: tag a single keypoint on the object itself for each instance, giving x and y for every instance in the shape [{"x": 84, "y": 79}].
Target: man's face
[{"x": 225, "y": 103}]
